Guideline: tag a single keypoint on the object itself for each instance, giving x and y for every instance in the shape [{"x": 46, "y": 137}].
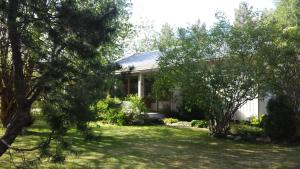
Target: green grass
[{"x": 161, "y": 147}]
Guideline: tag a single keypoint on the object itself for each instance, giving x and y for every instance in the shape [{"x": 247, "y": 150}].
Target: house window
[
  {"x": 130, "y": 85},
  {"x": 133, "y": 87}
]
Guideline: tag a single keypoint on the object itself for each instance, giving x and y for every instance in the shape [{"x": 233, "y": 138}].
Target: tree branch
[{"x": 41, "y": 145}]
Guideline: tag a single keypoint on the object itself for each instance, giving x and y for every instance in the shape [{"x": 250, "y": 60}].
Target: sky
[{"x": 181, "y": 13}]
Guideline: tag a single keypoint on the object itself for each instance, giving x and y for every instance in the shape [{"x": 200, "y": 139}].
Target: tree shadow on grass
[
  {"x": 174, "y": 148},
  {"x": 164, "y": 147}
]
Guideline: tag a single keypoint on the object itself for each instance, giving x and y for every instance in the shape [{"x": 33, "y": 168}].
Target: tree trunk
[
  {"x": 21, "y": 116},
  {"x": 7, "y": 106},
  {"x": 14, "y": 129},
  {"x": 6, "y": 93},
  {"x": 4, "y": 111}
]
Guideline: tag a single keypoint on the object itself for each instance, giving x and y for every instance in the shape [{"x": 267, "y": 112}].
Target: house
[{"x": 138, "y": 71}]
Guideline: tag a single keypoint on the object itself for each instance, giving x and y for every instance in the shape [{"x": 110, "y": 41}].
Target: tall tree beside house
[
  {"x": 281, "y": 56},
  {"x": 162, "y": 85},
  {"x": 279, "y": 67},
  {"x": 49, "y": 52},
  {"x": 142, "y": 38},
  {"x": 214, "y": 68},
  {"x": 287, "y": 12}
]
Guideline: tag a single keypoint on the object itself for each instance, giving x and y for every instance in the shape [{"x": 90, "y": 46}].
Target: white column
[{"x": 141, "y": 85}]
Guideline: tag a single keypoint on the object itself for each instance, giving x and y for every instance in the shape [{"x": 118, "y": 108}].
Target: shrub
[
  {"x": 199, "y": 123},
  {"x": 257, "y": 121},
  {"x": 170, "y": 120},
  {"x": 191, "y": 109},
  {"x": 110, "y": 111},
  {"x": 135, "y": 110},
  {"x": 244, "y": 129},
  {"x": 281, "y": 122}
]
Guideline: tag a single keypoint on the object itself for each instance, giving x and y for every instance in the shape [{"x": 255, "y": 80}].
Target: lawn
[{"x": 162, "y": 147}]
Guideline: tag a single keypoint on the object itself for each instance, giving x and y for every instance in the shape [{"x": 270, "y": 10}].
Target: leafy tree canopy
[
  {"x": 56, "y": 52},
  {"x": 212, "y": 68}
]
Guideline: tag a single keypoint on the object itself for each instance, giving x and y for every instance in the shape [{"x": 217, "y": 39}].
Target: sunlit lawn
[{"x": 162, "y": 147}]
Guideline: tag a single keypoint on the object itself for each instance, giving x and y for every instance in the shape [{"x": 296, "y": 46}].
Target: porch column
[{"x": 141, "y": 85}]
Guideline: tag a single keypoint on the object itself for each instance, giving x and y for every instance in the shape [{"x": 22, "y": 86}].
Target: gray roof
[{"x": 145, "y": 61}]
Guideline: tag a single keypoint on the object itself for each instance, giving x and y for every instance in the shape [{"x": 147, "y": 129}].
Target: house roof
[{"x": 140, "y": 62}]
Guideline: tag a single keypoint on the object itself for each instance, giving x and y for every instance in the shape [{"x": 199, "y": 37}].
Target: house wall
[
  {"x": 252, "y": 108},
  {"x": 247, "y": 111},
  {"x": 262, "y": 105}
]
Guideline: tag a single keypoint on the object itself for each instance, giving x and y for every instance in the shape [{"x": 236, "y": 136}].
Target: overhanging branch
[{"x": 41, "y": 145}]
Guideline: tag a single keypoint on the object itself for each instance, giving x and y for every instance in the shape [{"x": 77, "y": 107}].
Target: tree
[
  {"x": 47, "y": 49},
  {"x": 279, "y": 62},
  {"x": 142, "y": 38},
  {"x": 214, "y": 69},
  {"x": 287, "y": 12}
]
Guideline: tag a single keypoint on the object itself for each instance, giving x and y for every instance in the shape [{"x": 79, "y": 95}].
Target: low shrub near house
[
  {"x": 257, "y": 121},
  {"x": 110, "y": 111},
  {"x": 199, "y": 123},
  {"x": 191, "y": 110},
  {"x": 136, "y": 110},
  {"x": 245, "y": 129},
  {"x": 170, "y": 120},
  {"x": 281, "y": 121}
]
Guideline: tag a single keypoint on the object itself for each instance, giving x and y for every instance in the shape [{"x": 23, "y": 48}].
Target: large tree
[
  {"x": 280, "y": 61},
  {"x": 47, "y": 49},
  {"x": 215, "y": 69}
]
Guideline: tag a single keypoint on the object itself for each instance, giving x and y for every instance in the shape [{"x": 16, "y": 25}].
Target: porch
[{"x": 141, "y": 83}]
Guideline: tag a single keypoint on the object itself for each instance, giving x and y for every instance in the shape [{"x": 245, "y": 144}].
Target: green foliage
[
  {"x": 170, "y": 120},
  {"x": 114, "y": 111},
  {"x": 115, "y": 118},
  {"x": 257, "y": 121},
  {"x": 214, "y": 69},
  {"x": 218, "y": 70},
  {"x": 191, "y": 109},
  {"x": 63, "y": 56},
  {"x": 281, "y": 121},
  {"x": 110, "y": 111},
  {"x": 244, "y": 129},
  {"x": 135, "y": 110},
  {"x": 288, "y": 12},
  {"x": 142, "y": 38},
  {"x": 199, "y": 123},
  {"x": 279, "y": 62}
]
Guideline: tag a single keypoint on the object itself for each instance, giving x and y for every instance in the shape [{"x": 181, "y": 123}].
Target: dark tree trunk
[
  {"x": 21, "y": 115},
  {"x": 7, "y": 108},
  {"x": 7, "y": 101},
  {"x": 6, "y": 93}
]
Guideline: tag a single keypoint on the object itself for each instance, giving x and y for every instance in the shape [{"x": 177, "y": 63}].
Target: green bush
[
  {"x": 199, "y": 123},
  {"x": 257, "y": 121},
  {"x": 244, "y": 129},
  {"x": 110, "y": 111},
  {"x": 281, "y": 122},
  {"x": 170, "y": 120},
  {"x": 192, "y": 110},
  {"x": 136, "y": 110}
]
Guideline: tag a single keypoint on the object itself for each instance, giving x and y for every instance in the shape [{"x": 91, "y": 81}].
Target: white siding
[
  {"x": 247, "y": 111},
  {"x": 262, "y": 105}
]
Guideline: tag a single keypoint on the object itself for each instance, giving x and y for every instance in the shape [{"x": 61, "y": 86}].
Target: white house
[{"x": 139, "y": 69}]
